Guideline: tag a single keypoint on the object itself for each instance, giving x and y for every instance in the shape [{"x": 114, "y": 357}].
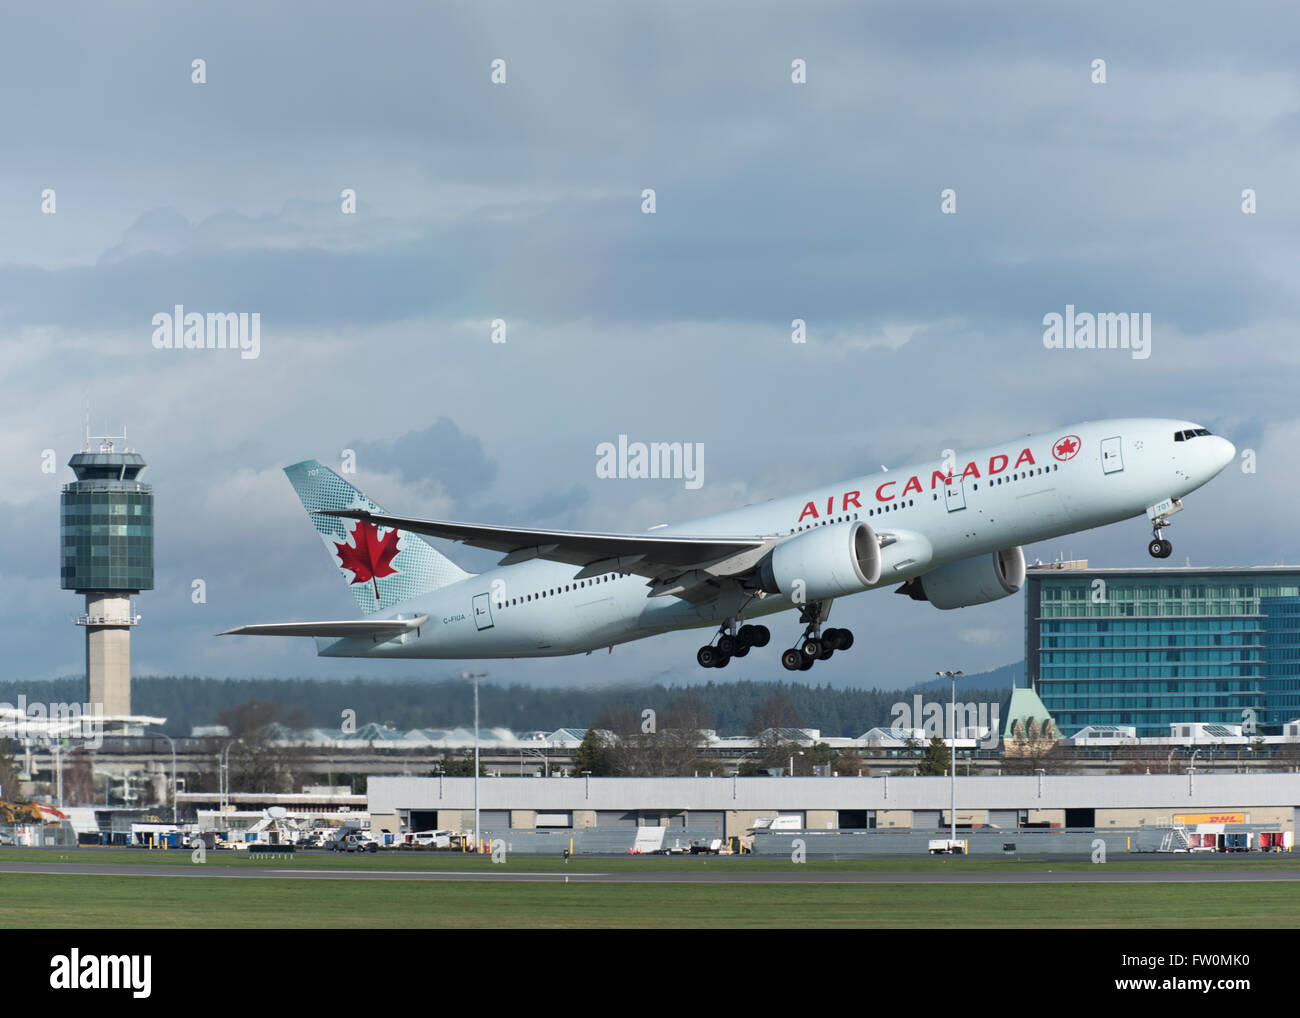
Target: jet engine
[
  {"x": 824, "y": 562},
  {"x": 975, "y": 580}
]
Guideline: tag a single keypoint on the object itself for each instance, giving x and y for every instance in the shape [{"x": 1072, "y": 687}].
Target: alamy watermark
[
  {"x": 179, "y": 329},
  {"x": 636, "y": 460},
  {"x": 931, "y": 716},
  {"x": 1084, "y": 330},
  {"x": 39, "y": 720}
]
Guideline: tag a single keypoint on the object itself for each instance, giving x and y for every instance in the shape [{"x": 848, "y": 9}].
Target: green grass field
[
  {"x": 397, "y": 860},
  {"x": 145, "y": 901},
  {"x": 133, "y": 902}
]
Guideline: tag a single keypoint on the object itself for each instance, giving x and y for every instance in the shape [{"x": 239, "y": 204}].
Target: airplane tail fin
[{"x": 381, "y": 566}]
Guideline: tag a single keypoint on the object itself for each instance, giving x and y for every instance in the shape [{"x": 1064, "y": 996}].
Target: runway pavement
[{"x": 1099, "y": 875}]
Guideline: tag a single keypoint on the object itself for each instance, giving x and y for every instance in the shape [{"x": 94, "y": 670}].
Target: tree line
[{"x": 729, "y": 707}]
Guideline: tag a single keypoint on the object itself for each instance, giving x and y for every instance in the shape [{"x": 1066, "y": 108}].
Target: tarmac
[{"x": 1100, "y": 875}]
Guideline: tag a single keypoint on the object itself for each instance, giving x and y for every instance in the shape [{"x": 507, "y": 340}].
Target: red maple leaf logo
[
  {"x": 368, "y": 557},
  {"x": 1066, "y": 448}
]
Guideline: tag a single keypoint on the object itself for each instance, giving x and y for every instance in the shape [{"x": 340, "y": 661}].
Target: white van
[{"x": 425, "y": 839}]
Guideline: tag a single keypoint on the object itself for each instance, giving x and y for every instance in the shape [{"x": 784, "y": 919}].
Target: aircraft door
[
  {"x": 1112, "y": 459},
  {"x": 954, "y": 494},
  {"x": 483, "y": 611}
]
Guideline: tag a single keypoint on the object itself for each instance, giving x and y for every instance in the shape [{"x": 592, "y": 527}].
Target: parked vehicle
[
  {"x": 425, "y": 840},
  {"x": 783, "y": 822},
  {"x": 355, "y": 843},
  {"x": 1236, "y": 841}
]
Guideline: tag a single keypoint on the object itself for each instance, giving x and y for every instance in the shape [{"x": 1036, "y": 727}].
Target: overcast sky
[{"x": 523, "y": 201}]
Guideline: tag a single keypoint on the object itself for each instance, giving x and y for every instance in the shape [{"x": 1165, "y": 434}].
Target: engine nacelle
[
  {"x": 843, "y": 558},
  {"x": 976, "y": 580}
]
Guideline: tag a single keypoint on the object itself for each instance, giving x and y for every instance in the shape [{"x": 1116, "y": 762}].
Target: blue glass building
[
  {"x": 1153, "y": 646},
  {"x": 106, "y": 524}
]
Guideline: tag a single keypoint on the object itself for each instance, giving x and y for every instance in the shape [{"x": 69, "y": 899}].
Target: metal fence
[
  {"x": 980, "y": 841},
  {"x": 593, "y": 840}
]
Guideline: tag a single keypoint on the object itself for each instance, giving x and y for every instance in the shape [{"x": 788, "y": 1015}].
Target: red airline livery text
[{"x": 885, "y": 493}]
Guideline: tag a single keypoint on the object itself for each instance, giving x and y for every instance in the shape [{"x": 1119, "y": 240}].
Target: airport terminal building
[
  {"x": 560, "y": 807},
  {"x": 1152, "y": 647}
]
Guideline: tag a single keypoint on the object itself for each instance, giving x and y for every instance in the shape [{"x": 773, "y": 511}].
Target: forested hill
[{"x": 187, "y": 701}]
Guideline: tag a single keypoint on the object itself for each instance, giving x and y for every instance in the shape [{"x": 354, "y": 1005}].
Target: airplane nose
[{"x": 1222, "y": 452}]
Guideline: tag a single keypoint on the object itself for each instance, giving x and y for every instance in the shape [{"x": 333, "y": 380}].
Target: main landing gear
[
  {"x": 818, "y": 644},
  {"x": 732, "y": 642}
]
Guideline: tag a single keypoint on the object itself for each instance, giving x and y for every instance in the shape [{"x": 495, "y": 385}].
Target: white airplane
[{"x": 948, "y": 531}]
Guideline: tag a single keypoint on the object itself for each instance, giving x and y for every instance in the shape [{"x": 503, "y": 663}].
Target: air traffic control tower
[{"x": 106, "y": 552}]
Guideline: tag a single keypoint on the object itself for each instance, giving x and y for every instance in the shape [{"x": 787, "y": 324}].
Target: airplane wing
[
  {"x": 362, "y": 627},
  {"x": 675, "y": 565}
]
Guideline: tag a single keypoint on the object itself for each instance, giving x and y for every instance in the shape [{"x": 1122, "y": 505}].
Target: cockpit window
[{"x": 1189, "y": 434}]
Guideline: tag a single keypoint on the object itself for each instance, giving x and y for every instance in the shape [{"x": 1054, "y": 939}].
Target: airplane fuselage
[{"x": 940, "y": 511}]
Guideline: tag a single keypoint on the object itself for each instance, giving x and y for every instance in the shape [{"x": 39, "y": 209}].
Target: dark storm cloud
[{"x": 440, "y": 454}]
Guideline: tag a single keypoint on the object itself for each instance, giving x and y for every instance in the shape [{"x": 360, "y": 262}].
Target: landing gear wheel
[
  {"x": 742, "y": 651},
  {"x": 745, "y": 636},
  {"x": 811, "y": 649},
  {"x": 792, "y": 659},
  {"x": 1166, "y": 550},
  {"x": 761, "y": 636},
  {"x": 1156, "y": 548},
  {"x": 826, "y": 653},
  {"x": 723, "y": 661},
  {"x": 708, "y": 657},
  {"x": 846, "y": 639},
  {"x": 808, "y": 663},
  {"x": 727, "y": 645}
]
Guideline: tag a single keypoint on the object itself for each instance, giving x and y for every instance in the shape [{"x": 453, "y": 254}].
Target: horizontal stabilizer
[{"x": 360, "y": 627}]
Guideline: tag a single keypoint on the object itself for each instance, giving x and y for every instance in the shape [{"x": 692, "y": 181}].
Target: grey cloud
[{"x": 440, "y": 454}]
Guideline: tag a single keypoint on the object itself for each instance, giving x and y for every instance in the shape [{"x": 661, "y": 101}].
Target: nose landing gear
[{"x": 1159, "y": 515}]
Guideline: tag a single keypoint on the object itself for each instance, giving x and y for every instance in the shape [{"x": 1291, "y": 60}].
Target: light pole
[
  {"x": 952, "y": 730},
  {"x": 478, "y": 834},
  {"x": 172, "y": 743},
  {"x": 58, "y": 768},
  {"x": 223, "y": 771}
]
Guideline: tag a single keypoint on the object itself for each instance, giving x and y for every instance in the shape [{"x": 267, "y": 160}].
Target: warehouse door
[
  {"x": 705, "y": 822},
  {"x": 492, "y": 819},
  {"x": 423, "y": 820}
]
